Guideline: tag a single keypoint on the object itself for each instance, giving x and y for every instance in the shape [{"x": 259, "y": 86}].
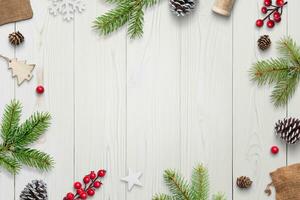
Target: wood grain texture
[
  {"x": 100, "y": 102},
  {"x": 179, "y": 96},
  {"x": 7, "y": 93},
  {"x": 206, "y": 95},
  {"x": 253, "y": 114}
]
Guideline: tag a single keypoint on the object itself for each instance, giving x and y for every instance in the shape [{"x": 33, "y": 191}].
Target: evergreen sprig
[
  {"x": 16, "y": 137},
  {"x": 131, "y": 11},
  {"x": 180, "y": 189},
  {"x": 283, "y": 73}
]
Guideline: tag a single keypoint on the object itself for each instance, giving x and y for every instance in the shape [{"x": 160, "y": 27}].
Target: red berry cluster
[
  {"x": 273, "y": 12},
  {"x": 90, "y": 182}
]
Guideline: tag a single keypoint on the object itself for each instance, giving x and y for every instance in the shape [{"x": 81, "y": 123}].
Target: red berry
[
  {"x": 83, "y": 195},
  {"x": 77, "y": 185},
  {"x": 90, "y": 192},
  {"x": 97, "y": 184},
  {"x": 264, "y": 10},
  {"x": 274, "y": 150},
  {"x": 101, "y": 173},
  {"x": 79, "y": 191},
  {"x": 277, "y": 20},
  {"x": 86, "y": 179},
  {"x": 276, "y": 15},
  {"x": 270, "y": 23},
  {"x": 280, "y": 2},
  {"x": 93, "y": 175},
  {"x": 40, "y": 89},
  {"x": 259, "y": 23},
  {"x": 70, "y": 196},
  {"x": 267, "y": 2}
]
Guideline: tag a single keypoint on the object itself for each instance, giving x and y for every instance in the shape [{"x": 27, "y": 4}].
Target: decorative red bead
[
  {"x": 83, "y": 195},
  {"x": 90, "y": 192},
  {"x": 40, "y": 89},
  {"x": 274, "y": 150},
  {"x": 270, "y": 23},
  {"x": 277, "y": 20},
  {"x": 267, "y": 2},
  {"x": 77, "y": 185},
  {"x": 276, "y": 15},
  {"x": 264, "y": 10},
  {"x": 101, "y": 173},
  {"x": 280, "y": 2},
  {"x": 70, "y": 196},
  {"x": 97, "y": 184},
  {"x": 79, "y": 191},
  {"x": 93, "y": 175},
  {"x": 86, "y": 179},
  {"x": 259, "y": 23}
]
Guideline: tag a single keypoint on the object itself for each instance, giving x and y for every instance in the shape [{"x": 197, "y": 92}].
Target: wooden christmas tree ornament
[
  {"x": 223, "y": 7},
  {"x": 20, "y": 69}
]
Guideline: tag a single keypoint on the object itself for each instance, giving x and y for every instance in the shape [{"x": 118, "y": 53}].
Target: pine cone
[
  {"x": 36, "y": 190},
  {"x": 288, "y": 130},
  {"x": 182, "y": 7},
  {"x": 264, "y": 42},
  {"x": 243, "y": 182},
  {"x": 16, "y": 38}
]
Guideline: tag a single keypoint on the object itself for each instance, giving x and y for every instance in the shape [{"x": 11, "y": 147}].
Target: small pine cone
[
  {"x": 264, "y": 42},
  {"x": 288, "y": 130},
  {"x": 16, "y": 38},
  {"x": 243, "y": 182},
  {"x": 36, "y": 190},
  {"x": 182, "y": 7}
]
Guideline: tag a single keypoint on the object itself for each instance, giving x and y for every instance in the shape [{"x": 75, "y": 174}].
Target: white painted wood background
[{"x": 179, "y": 96}]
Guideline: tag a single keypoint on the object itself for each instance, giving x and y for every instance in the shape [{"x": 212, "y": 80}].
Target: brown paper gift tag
[
  {"x": 14, "y": 10},
  {"x": 286, "y": 181}
]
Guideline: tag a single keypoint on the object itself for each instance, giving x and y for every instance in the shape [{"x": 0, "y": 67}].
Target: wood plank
[
  {"x": 293, "y": 107},
  {"x": 100, "y": 102},
  {"x": 7, "y": 94},
  {"x": 206, "y": 95},
  {"x": 253, "y": 113},
  {"x": 52, "y": 51},
  {"x": 153, "y": 101}
]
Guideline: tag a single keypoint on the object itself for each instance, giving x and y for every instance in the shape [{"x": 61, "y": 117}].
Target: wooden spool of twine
[{"x": 223, "y": 7}]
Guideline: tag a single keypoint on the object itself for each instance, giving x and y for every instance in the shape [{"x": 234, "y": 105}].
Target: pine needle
[
  {"x": 16, "y": 138},
  {"x": 177, "y": 185},
  {"x": 181, "y": 190},
  {"x": 200, "y": 183},
  {"x": 283, "y": 73},
  {"x": 131, "y": 11}
]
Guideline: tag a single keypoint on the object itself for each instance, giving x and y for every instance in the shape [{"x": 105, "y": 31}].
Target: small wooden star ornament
[
  {"x": 20, "y": 70},
  {"x": 132, "y": 179}
]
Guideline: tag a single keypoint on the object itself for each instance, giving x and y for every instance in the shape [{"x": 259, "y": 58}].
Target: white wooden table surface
[{"x": 179, "y": 96}]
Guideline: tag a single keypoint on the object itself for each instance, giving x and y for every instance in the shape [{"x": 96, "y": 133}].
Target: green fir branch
[
  {"x": 10, "y": 119},
  {"x": 34, "y": 158},
  {"x": 181, "y": 190},
  {"x": 131, "y": 11},
  {"x": 177, "y": 185},
  {"x": 16, "y": 138},
  {"x": 283, "y": 73},
  {"x": 31, "y": 130},
  {"x": 9, "y": 163},
  {"x": 200, "y": 183},
  {"x": 219, "y": 196},
  {"x": 162, "y": 197}
]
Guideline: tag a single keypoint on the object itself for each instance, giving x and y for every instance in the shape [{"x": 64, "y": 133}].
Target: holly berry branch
[
  {"x": 273, "y": 12},
  {"x": 91, "y": 182}
]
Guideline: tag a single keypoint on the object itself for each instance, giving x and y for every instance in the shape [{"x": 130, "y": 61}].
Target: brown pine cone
[
  {"x": 243, "y": 182},
  {"x": 16, "y": 38},
  {"x": 264, "y": 42}
]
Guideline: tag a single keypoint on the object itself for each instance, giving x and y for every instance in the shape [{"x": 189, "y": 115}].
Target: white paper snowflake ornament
[{"x": 66, "y": 8}]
